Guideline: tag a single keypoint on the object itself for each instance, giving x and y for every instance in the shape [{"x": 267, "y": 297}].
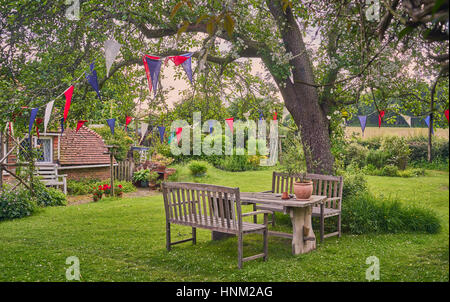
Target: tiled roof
[{"x": 85, "y": 147}]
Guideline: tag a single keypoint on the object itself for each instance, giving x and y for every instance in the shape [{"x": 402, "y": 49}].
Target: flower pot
[
  {"x": 144, "y": 183},
  {"x": 303, "y": 190}
]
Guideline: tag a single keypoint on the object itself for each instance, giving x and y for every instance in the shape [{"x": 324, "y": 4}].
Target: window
[{"x": 45, "y": 148}]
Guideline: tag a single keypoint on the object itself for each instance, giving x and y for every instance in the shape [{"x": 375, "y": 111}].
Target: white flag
[
  {"x": 48, "y": 113},
  {"x": 144, "y": 128},
  {"x": 407, "y": 119},
  {"x": 247, "y": 115},
  {"x": 112, "y": 49}
]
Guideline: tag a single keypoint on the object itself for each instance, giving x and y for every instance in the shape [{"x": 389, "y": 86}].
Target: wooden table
[{"x": 303, "y": 238}]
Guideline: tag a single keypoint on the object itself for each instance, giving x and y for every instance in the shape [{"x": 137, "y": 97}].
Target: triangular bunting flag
[
  {"x": 380, "y": 117},
  {"x": 162, "y": 130},
  {"x": 363, "y": 122},
  {"x": 128, "y": 120},
  {"x": 62, "y": 125},
  {"x": 179, "y": 131},
  {"x": 275, "y": 116},
  {"x": 68, "y": 94},
  {"x": 427, "y": 121},
  {"x": 144, "y": 128},
  {"x": 112, "y": 124},
  {"x": 93, "y": 80},
  {"x": 407, "y": 119},
  {"x": 247, "y": 115},
  {"x": 33, "y": 114},
  {"x": 187, "y": 65},
  {"x": 211, "y": 126},
  {"x": 285, "y": 112},
  {"x": 230, "y": 123},
  {"x": 446, "y": 112},
  {"x": 48, "y": 113},
  {"x": 112, "y": 49},
  {"x": 153, "y": 69},
  {"x": 80, "y": 124}
]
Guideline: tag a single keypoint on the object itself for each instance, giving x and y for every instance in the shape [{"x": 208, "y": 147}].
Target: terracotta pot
[{"x": 303, "y": 190}]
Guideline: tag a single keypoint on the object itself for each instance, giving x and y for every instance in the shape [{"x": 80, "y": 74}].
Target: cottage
[{"x": 79, "y": 155}]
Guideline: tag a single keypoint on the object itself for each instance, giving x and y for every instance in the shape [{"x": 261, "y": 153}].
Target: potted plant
[
  {"x": 153, "y": 179},
  {"x": 303, "y": 189},
  {"x": 141, "y": 177},
  {"x": 162, "y": 162},
  {"x": 119, "y": 191},
  {"x": 107, "y": 190},
  {"x": 97, "y": 193}
]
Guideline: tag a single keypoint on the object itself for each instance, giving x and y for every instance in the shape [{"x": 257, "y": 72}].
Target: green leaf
[
  {"x": 405, "y": 31},
  {"x": 182, "y": 29},
  {"x": 228, "y": 24}
]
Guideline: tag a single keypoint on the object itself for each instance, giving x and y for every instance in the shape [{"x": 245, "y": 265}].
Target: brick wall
[{"x": 102, "y": 173}]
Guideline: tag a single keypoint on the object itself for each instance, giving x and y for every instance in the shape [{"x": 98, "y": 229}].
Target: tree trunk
[{"x": 302, "y": 100}]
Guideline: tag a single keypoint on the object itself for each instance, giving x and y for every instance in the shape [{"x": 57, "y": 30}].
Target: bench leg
[
  {"x": 194, "y": 235},
  {"x": 240, "y": 250},
  {"x": 266, "y": 237},
  {"x": 322, "y": 223},
  {"x": 168, "y": 245},
  {"x": 339, "y": 225}
]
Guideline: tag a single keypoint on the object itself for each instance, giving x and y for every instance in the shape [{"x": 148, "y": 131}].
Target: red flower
[{"x": 120, "y": 186}]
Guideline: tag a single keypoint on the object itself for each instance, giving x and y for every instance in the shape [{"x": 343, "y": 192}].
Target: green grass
[{"x": 124, "y": 240}]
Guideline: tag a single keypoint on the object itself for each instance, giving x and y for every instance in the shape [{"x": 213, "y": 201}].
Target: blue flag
[
  {"x": 93, "y": 80},
  {"x": 427, "y": 121},
  {"x": 112, "y": 124},
  {"x": 211, "y": 126},
  {"x": 162, "y": 130},
  {"x": 187, "y": 65},
  {"x": 33, "y": 114},
  {"x": 154, "y": 67},
  {"x": 363, "y": 122},
  {"x": 62, "y": 125}
]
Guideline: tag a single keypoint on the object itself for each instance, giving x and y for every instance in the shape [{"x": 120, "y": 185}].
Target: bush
[
  {"x": 377, "y": 158},
  {"x": 84, "y": 187},
  {"x": 355, "y": 181},
  {"x": 48, "y": 197},
  {"x": 355, "y": 153},
  {"x": 16, "y": 204},
  {"x": 364, "y": 213},
  {"x": 197, "y": 168},
  {"x": 389, "y": 170},
  {"x": 398, "y": 151},
  {"x": 119, "y": 139}
]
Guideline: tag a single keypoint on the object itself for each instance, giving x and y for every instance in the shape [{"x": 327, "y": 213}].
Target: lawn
[{"x": 124, "y": 240}]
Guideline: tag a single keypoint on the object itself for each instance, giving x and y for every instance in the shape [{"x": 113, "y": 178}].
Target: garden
[{"x": 140, "y": 142}]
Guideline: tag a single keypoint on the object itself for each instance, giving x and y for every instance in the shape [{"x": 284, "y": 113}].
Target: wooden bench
[
  {"x": 330, "y": 186},
  {"x": 50, "y": 177},
  {"x": 213, "y": 208}
]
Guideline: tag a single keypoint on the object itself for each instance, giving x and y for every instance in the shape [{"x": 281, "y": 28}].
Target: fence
[{"x": 124, "y": 170}]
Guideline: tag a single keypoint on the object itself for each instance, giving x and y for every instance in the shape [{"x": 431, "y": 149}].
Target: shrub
[
  {"x": 236, "y": 163},
  {"x": 364, "y": 213},
  {"x": 16, "y": 204},
  {"x": 48, "y": 197},
  {"x": 119, "y": 139},
  {"x": 197, "y": 168},
  {"x": 84, "y": 187},
  {"x": 389, "y": 170},
  {"x": 355, "y": 181},
  {"x": 377, "y": 158},
  {"x": 141, "y": 175},
  {"x": 398, "y": 151},
  {"x": 355, "y": 153}
]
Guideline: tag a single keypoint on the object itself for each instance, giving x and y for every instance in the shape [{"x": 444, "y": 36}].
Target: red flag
[
  {"x": 147, "y": 71},
  {"x": 178, "y": 60},
  {"x": 128, "y": 120},
  {"x": 275, "y": 115},
  {"x": 179, "y": 131},
  {"x": 380, "y": 117},
  {"x": 68, "y": 94},
  {"x": 80, "y": 124},
  {"x": 38, "y": 122},
  {"x": 446, "y": 112},
  {"x": 230, "y": 123}
]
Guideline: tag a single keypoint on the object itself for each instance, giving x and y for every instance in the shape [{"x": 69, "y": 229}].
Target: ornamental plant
[
  {"x": 107, "y": 189},
  {"x": 97, "y": 192},
  {"x": 118, "y": 190}
]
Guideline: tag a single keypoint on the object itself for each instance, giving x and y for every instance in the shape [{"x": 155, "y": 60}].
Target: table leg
[{"x": 303, "y": 239}]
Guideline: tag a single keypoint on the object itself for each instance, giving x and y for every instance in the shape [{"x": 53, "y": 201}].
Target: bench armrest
[{"x": 256, "y": 213}]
